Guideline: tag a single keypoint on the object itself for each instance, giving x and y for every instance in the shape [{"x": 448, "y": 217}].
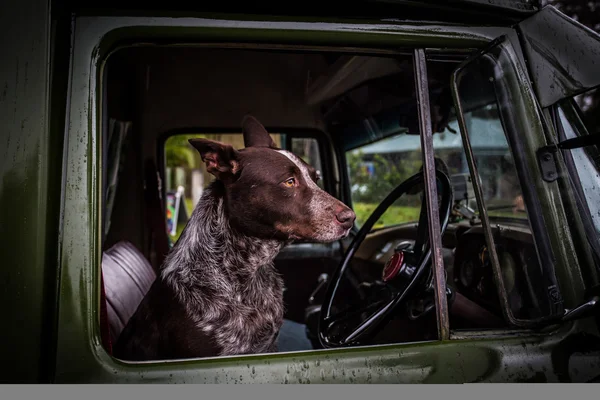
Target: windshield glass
[
  {"x": 502, "y": 192},
  {"x": 377, "y": 168}
]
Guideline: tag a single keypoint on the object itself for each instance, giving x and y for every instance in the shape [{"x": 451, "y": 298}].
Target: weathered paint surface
[
  {"x": 81, "y": 358},
  {"x": 502, "y": 6},
  {"x": 24, "y": 196},
  {"x": 564, "y": 55},
  {"x": 541, "y": 358}
]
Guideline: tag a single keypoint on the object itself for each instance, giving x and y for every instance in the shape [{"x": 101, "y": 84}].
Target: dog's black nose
[{"x": 346, "y": 217}]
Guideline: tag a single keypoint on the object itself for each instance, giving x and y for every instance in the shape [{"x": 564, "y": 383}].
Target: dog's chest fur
[{"x": 222, "y": 283}]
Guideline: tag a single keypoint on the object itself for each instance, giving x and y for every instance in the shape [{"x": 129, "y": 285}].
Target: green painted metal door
[{"x": 500, "y": 356}]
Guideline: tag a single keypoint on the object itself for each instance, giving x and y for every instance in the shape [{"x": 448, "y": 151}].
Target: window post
[{"x": 431, "y": 195}]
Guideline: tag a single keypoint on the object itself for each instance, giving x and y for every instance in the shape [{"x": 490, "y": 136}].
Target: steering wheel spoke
[{"x": 349, "y": 313}]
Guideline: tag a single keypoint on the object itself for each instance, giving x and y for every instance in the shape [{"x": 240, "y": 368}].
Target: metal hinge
[
  {"x": 546, "y": 156},
  {"x": 547, "y": 162}
]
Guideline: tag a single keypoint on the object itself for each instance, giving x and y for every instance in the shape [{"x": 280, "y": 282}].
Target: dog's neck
[
  {"x": 226, "y": 280},
  {"x": 208, "y": 244}
]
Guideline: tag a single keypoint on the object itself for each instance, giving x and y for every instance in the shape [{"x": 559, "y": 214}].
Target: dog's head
[{"x": 272, "y": 193}]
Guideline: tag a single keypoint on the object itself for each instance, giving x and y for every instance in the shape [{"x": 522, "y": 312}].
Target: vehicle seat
[{"x": 127, "y": 276}]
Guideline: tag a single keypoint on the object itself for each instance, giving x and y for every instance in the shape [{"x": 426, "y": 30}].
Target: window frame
[
  {"x": 535, "y": 192},
  {"x": 431, "y": 194}
]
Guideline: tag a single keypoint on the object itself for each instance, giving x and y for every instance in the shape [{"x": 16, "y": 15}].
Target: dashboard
[
  {"x": 468, "y": 264},
  {"x": 474, "y": 277}
]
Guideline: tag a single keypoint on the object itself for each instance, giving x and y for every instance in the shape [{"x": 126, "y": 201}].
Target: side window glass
[
  {"x": 527, "y": 292},
  {"x": 503, "y": 195}
]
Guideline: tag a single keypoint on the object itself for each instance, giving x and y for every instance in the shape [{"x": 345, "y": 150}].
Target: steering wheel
[{"x": 401, "y": 276}]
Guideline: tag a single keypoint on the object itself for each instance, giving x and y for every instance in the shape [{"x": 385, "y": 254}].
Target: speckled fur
[
  {"x": 226, "y": 280},
  {"x": 218, "y": 292}
]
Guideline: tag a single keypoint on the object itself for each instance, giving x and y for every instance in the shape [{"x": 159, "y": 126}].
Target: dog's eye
[{"x": 290, "y": 182}]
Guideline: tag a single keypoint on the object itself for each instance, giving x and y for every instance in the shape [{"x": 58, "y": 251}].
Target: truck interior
[{"x": 351, "y": 113}]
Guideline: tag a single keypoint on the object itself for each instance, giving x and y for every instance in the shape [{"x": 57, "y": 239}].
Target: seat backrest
[
  {"x": 157, "y": 240},
  {"x": 127, "y": 276}
]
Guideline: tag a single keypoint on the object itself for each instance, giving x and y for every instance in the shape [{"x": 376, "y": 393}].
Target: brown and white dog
[{"x": 218, "y": 292}]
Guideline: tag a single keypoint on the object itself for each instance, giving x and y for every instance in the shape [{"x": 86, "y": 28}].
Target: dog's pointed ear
[
  {"x": 255, "y": 134},
  {"x": 221, "y": 159}
]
